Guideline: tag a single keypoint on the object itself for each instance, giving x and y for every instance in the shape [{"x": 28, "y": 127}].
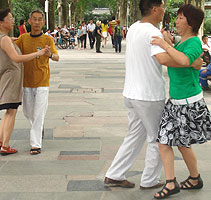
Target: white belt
[{"x": 187, "y": 100}]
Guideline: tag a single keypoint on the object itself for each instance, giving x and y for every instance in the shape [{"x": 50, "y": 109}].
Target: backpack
[{"x": 118, "y": 31}]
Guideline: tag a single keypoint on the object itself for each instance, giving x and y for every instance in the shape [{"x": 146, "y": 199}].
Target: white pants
[
  {"x": 35, "y": 104},
  {"x": 144, "y": 118}
]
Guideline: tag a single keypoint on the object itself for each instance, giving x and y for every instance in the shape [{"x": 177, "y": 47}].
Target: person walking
[
  {"x": 90, "y": 29},
  {"x": 112, "y": 24},
  {"x": 36, "y": 77},
  {"x": 144, "y": 99},
  {"x": 104, "y": 32},
  {"x": 84, "y": 29},
  {"x": 11, "y": 79},
  {"x": 186, "y": 119},
  {"x": 117, "y": 36},
  {"x": 98, "y": 36},
  {"x": 80, "y": 38}
]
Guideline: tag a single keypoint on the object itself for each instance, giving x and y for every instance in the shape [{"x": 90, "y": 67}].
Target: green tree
[
  {"x": 171, "y": 11},
  {"x": 21, "y": 10}
]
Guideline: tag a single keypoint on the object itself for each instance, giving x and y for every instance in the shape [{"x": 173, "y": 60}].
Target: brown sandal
[{"x": 35, "y": 151}]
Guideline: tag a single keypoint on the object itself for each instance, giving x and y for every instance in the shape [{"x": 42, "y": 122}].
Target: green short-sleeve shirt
[{"x": 184, "y": 82}]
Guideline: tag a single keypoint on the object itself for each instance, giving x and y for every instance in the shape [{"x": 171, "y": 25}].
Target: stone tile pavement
[{"x": 84, "y": 126}]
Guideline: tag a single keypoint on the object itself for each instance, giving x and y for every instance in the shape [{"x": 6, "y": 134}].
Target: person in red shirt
[{"x": 22, "y": 27}]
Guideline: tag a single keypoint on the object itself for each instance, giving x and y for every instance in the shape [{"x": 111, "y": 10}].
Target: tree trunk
[
  {"x": 135, "y": 12},
  {"x": 165, "y": 3},
  {"x": 42, "y": 2},
  {"x": 51, "y": 15},
  {"x": 4, "y": 4},
  {"x": 114, "y": 9},
  {"x": 123, "y": 12},
  {"x": 73, "y": 11},
  {"x": 80, "y": 15},
  {"x": 64, "y": 9},
  {"x": 62, "y": 12}
]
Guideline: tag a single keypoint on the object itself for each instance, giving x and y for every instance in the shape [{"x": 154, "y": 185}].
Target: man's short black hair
[
  {"x": 204, "y": 36},
  {"x": 3, "y": 13},
  {"x": 146, "y": 6},
  {"x": 37, "y": 11}
]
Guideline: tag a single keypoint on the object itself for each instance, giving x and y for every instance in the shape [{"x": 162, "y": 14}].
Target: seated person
[
  {"x": 205, "y": 45},
  {"x": 206, "y": 49},
  {"x": 203, "y": 77}
]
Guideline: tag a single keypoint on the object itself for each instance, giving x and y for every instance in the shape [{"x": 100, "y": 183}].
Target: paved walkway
[{"x": 85, "y": 124}]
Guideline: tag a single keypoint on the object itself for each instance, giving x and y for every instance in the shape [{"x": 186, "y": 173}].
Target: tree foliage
[
  {"x": 21, "y": 10},
  {"x": 171, "y": 11},
  {"x": 82, "y": 10}
]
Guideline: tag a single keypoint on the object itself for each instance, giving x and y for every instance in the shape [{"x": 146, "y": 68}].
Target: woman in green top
[{"x": 185, "y": 119}]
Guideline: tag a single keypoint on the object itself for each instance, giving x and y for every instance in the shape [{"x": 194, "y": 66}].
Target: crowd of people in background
[{"x": 77, "y": 35}]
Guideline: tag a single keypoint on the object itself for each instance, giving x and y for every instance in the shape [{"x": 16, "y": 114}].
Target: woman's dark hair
[
  {"x": 194, "y": 16},
  {"x": 21, "y": 22},
  {"x": 146, "y": 6},
  {"x": 4, "y": 13},
  {"x": 105, "y": 21}
]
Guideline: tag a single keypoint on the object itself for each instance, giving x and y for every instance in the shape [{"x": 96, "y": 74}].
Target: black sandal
[
  {"x": 35, "y": 151},
  {"x": 187, "y": 185},
  {"x": 163, "y": 195}
]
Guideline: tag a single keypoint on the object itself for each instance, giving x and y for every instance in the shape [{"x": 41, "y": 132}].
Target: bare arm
[
  {"x": 205, "y": 49},
  {"x": 179, "y": 57},
  {"x": 166, "y": 59},
  {"x": 24, "y": 27},
  {"x": 113, "y": 33},
  {"x": 8, "y": 47}
]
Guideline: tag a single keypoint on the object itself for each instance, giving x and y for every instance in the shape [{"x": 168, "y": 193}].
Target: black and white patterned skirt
[{"x": 183, "y": 125}]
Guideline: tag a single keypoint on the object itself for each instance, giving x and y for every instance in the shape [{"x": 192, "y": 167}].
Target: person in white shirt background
[
  {"x": 90, "y": 29},
  {"x": 205, "y": 44}
]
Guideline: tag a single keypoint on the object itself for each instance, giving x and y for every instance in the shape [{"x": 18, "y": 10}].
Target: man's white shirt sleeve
[{"x": 155, "y": 49}]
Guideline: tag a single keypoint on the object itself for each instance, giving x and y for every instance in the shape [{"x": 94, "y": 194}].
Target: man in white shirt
[
  {"x": 90, "y": 29},
  {"x": 144, "y": 93}
]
